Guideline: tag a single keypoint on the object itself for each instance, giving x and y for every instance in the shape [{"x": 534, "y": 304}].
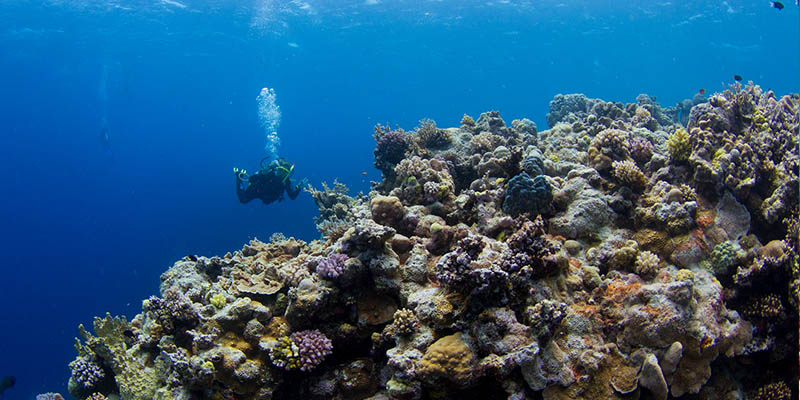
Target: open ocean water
[{"x": 121, "y": 121}]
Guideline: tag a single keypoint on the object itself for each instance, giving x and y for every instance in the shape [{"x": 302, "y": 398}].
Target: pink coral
[{"x": 312, "y": 346}]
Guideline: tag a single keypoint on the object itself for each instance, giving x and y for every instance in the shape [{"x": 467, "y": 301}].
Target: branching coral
[
  {"x": 135, "y": 382},
  {"x": 454, "y": 267},
  {"x": 390, "y": 148},
  {"x": 530, "y": 253},
  {"x": 429, "y": 136},
  {"x": 405, "y": 323},
  {"x": 679, "y": 146},
  {"x": 647, "y": 263},
  {"x": 608, "y": 146},
  {"x": 421, "y": 283},
  {"x": 628, "y": 173},
  {"x": 423, "y": 182},
  {"x": 773, "y": 391},
  {"x": 745, "y": 139},
  {"x": 332, "y": 266},
  {"x": 312, "y": 348},
  {"x": 86, "y": 372},
  {"x": 285, "y": 354},
  {"x": 768, "y": 306},
  {"x": 335, "y": 209},
  {"x": 641, "y": 150}
]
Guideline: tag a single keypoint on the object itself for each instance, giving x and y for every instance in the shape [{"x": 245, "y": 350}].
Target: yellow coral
[
  {"x": 501, "y": 237},
  {"x": 218, "y": 300},
  {"x": 627, "y": 172},
  {"x": 679, "y": 146},
  {"x": 208, "y": 365},
  {"x": 760, "y": 122},
  {"x": 134, "y": 380},
  {"x": 448, "y": 357},
  {"x": 684, "y": 275},
  {"x": 285, "y": 354}
]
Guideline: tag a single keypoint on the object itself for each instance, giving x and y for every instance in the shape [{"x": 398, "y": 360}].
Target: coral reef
[
  {"x": 49, "y": 396},
  {"x": 332, "y": 266},
  {"x": 335, "y": 209},
  {"x": 616, "y": 255},
  {"x": 527, "y": 196},
  {"x": 302, "y": 350},
  {"x": 390, "y": 148}
]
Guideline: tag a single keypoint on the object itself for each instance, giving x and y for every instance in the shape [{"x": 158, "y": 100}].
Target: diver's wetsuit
[{"x": 266, "y": 185}]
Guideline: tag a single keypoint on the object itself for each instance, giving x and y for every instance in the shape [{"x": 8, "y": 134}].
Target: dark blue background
[{"x": 84, "y": 231}]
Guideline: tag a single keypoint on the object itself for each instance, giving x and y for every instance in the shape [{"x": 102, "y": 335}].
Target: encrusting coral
[{"x": 615, "y": 255}]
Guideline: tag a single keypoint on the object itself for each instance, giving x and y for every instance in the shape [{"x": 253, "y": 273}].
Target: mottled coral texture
[{"x": 616, "y": 255}]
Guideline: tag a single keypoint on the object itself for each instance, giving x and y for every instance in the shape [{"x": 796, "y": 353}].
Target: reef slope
[{"x": 617, "y": 255}]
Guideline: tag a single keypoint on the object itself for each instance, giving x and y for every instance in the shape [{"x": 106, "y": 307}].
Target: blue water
[{"x": 87, "y": 228}]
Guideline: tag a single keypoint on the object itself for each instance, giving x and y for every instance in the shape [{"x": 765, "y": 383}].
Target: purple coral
[
  {"x": 86, "y": 371},
  {"x": 641, "y": 149},
  {"x": 173, "y": 310},
  {"x": 312, "y": 346},
  {"x": 332, "y": 266},
  {"x": 454, "y": 268},
  {"x": 530, "y": 253},
  {"x": 490, "y": 280},
  {"x": 390, "y": 147}
]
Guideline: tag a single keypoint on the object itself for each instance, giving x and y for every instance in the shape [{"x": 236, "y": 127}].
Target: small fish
[
  {"x": 363, "y": 172},
  {"x": 7, "y": 383},
  {"x": 702, "y": 91},
  {"x": 777, "y": 4},
  {"x": 737, "y": 78}
]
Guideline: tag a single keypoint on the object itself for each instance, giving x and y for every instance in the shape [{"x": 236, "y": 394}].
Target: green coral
[
  {"x": 135, "y": 381},
  {"x": 722, "y": 257},
  {"x": 285, "y": 354},
  {"x": 218, "y": 300},
  {"x": 679, "y": 146}
]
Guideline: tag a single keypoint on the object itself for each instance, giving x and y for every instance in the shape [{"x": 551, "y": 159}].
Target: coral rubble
[{"x": 616, "y": 255}]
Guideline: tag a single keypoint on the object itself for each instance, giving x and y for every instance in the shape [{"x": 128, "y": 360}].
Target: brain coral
[{"x": 450, "y": 358}]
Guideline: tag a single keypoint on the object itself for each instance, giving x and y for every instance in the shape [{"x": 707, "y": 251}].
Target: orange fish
[
  {"x": 363, "y": 172},
  {"x": 703, "y": 91}
]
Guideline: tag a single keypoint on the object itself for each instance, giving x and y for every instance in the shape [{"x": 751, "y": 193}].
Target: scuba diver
[{"x": 269, "y": 183}]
